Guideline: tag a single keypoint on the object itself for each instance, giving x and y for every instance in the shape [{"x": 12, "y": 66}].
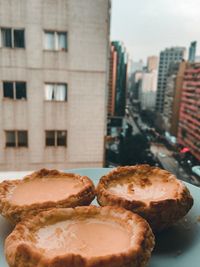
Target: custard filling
[
  {"x": 44, "y": 189},
  {"x": 89, "y": 238},
  {"x": 145, "y": 189}
]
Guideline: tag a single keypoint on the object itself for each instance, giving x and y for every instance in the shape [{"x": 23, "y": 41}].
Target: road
[{"x": 171, "y": 164}]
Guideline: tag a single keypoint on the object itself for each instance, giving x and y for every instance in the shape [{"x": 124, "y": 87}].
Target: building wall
[
  {"x": 177, "y": 99},
  {"x": 169, "y": 55},
  {"x": 83, "y": 67},
  {"x": 148, "y": 90},
  {"x": 152, "y": 63},
  {"x": 117, "y": 80},
  {"x": 112, "y": 81},
  {"x": 189, "y": 122}
]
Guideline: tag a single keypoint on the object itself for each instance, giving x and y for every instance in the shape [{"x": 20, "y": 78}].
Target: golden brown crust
[
  {"x": 160, "y": 214},
  {"x": 21, "y": 249},
  {"x": 15, "y": 212}
]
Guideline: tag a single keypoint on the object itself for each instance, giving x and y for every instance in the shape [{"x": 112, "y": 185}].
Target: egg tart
[
  {"x": 81, "y": 237},
  {"x": 43, "y": 190},
  {"x": 155, "y": 194}
]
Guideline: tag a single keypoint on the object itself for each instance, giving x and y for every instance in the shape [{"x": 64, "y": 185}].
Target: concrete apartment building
[
  {"x": 53, "y": 83},
  {"x": 189, "y": 120},
  {"x": 167, "y": 56}
]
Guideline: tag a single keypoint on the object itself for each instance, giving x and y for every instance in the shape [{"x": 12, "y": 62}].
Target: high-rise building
[
  {"x": 169, "y": 55},
  {"x": 192, "y": 52},
  {"x": 152, "y": 63},
  {"x": 173, "y": 97},
  {"x": 189, "y": 120},
  {"x": 148, "y": 90},
  {"x": 53, "y": 83},
  {"x": 117, "y": 80}
]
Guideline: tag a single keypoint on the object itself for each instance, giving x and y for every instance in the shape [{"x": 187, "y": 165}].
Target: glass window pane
[
  {"x": 8, "y": 90},
  {"x": 50, "y": 138},
  {"x": 49, "y": 91},
  {"x": 6, "y": 37},
  {"x": 62, "y": 41},
  {"x": 49, "y": 41},
  {"x": 20, "y": 90},
  {"x": 19, "y": 38},
  {"x": 61, "y": 92},
  {"x": 22, "y": 138},
  {"x": 10, "y": 139},
  {"x": 61, "y": 138}
]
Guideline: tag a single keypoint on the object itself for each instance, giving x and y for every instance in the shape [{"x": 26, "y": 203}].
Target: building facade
[
  {"x": 53, "y": 83},
  {"x": 168, "y": 56},
  {"x": 117, "y": 80},
  {"x": 148, "y": 90},
  {"x": 173, "y": 97},
  {"x": 189, "y": 120},
  {"x": 152, "y": 63},
  {"x": 192, "y": 52}
]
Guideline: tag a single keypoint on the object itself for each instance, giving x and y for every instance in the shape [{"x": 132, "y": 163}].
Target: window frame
[
  {"x": 55, "y": 85},
  {"x": 56, "y": 40},
  {"x": 16, "y": 135},
  {"x": 12, "y": 38},
  {"x": 14, "y": 91},
  {"x": 56, "y": 138}
]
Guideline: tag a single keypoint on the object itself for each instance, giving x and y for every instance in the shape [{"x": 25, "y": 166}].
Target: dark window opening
[
  {"x": 20, "y": 90},
  {"x": 22, "y": 138},
  {"x": 10, "y": 139},
  {"x": 6, "y": 37},
  {"x": 19, "y": 38},
  {"x": 16, "y": 138},
  {"x": 50, "y": 138},
  {"x": 14, "y": 90},
  {"x": 8, "y": 90},
  {"x": 61, "y": 138},
  {"x": 56, "y": 138}
]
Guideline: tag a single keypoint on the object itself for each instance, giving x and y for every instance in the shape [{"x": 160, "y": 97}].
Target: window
[
  {"x": 12, "y": 38},
  {"x": 22, "y": 138},
  {"x": 10, "y": 139},
  {"x": 16, "y": 138},
  {"x": 6, "y": 37},
  {"x": 14, "y": 90},
  {"x": 55, "y": 40},
  {"x": 57, "y": 92},
  {"x": 19, "y": 38},
  {"x": 56, "y": 138}
]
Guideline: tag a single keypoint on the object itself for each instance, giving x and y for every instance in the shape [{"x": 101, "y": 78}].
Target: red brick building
[{"x": 189, "y": 120}]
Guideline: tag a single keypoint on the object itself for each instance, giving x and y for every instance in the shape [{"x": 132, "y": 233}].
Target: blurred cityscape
[{"x": 70, "y": 97}]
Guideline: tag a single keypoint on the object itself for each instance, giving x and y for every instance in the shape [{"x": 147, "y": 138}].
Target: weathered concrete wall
[{"x": 83, "y": 67}]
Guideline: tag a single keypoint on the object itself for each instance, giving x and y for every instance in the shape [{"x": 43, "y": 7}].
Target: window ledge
[
  {"x": 16, "y": 147},
  {"x": 55, "y": 147},
  {"x": 56, "y": 51},
  {"x": 15, "y": 100},
  {"x": 13, "y": 48},
  {"x": 55, "y": 101}
]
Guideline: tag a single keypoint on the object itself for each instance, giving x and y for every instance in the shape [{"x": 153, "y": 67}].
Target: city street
[{"x": 171, "y": 164}]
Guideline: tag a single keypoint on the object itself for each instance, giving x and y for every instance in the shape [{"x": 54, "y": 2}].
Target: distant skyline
[{"x": 147, "y": 27}]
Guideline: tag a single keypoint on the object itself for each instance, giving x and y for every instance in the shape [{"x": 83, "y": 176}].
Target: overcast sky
[{"x": 148, "y": 26}]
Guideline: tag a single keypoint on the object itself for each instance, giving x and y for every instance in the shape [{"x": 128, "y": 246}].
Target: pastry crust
[
  {"x": 159, "y": 213},
  {"x": 21, "y": 246},
  {"x": 16, "y": 213}
]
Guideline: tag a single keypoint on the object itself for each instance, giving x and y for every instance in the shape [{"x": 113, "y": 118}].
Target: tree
[{"x": 132, "y": 148}]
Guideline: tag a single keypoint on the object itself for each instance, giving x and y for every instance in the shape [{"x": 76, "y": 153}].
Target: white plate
[{"x": 178, "y": 246}]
